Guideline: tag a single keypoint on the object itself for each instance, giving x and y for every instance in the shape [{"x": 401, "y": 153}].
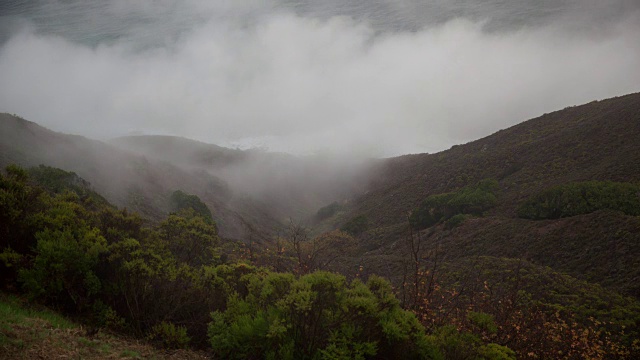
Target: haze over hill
[
  {"x": 251, "y": 193},
  {"x": 291, "y": 186},
  {"x": 377, "y": 78}
]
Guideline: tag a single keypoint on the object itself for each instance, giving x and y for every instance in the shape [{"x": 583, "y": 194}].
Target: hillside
[
  {"x": 290, "y": 186},
  {"x": 130, "y": 180},
  {"x": 523, "y": 244},
  {"x": 596, "y": 141}
]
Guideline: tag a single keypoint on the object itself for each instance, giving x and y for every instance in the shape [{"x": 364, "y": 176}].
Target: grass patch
[
  {"x": 130, "y": 354},
  {"x": 28, "y": 332},
  {"x": 14, "y": 311}
]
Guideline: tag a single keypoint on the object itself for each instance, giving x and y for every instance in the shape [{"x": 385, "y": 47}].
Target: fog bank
[{"x": 374, "y": 78}]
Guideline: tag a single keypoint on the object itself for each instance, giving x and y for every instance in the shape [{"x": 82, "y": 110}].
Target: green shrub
[
  {"x": 455, "y": 221},
  {"x": 356, "y": 226},
  {"x": 105, "y": 316},
  {"x": 169, "y": 335},
  {"x": 483, "y": 321},
  {"x": 455, "y": 344},
  {"x": 582, "y": 198},
  {"x": 66, "y": 256},
  {"x": 473, "y": 199},
  {"x": 182, "y": 201},
  {"x": 192, "y": 239},
  {"x": 496, "y": 352},
  {"x": 57, "y": 181},
  {"x": 318, "y": 315}
]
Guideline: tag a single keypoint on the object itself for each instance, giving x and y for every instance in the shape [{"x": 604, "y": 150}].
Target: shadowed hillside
[{"x": 596, "y": 141}]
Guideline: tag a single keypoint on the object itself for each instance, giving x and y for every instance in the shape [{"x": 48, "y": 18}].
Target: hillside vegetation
[
  {"x": 562, "y": 166},
  {"x": 524, "y": 244},
  {"x": 178, "y": 285}
]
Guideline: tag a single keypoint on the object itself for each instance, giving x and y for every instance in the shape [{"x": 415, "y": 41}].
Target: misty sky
[{"x": 375, "y": 77}]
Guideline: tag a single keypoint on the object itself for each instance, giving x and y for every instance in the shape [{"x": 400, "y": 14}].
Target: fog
[{"x": 374, "y": 78}]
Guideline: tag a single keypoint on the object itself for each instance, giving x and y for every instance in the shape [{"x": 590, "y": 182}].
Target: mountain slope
[
  {"x": 130, "y": 180},
  {"x": 595, "y": 141}
]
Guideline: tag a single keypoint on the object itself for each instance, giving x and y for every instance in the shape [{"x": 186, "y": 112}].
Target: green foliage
[
  {"x": 455, "y": 344},
  {"x": 63, "y": 268},
  {"x": 316, "y": 316},
  {"x": 182, "y": 201},
  {"x": 105, "y": 316},
  {"x": 66, "y": 254},
  {"x": 14, "y": 311},
  {"x": 496, "y": 352},
  {"x": 582, "y": 198},
  {"x": 18, "y": 202},
  {"x": 57, "y": 181},
  {"x": 169, "y": 335},
  {"x": 356, "y": 226},
  {"x": 328, "y": 211},
  {"x": 473, "y": 199},
  {"x": 192, "y": 239},
  {"x": 485, "y": 322},
  {"x": 455, "y": 221}
]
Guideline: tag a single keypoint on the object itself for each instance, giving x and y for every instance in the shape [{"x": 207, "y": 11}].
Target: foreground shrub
[
  {"x": 317, "y": 316},
  {"x": 169, "y": 335}
]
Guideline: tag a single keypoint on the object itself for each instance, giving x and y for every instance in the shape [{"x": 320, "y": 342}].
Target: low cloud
[{"x": 291, "y": 81}]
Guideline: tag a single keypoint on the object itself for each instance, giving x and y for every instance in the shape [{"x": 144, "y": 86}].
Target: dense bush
[
  {"x": 182, "y": 201},
  {"x": 473, "y": 199},
  {"x": 57, "y": 181},
  {"x": 169, "y": 335},
  {"x": 356, "y": 226},
  {"x": 582, "y": 198},
  {"x": 455, "y": 221},
  {"x": 317, "y": 316}
]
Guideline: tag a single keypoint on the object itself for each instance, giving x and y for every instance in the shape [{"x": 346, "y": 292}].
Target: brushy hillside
[
  {"x": 598, "y": 141},
  {"x": 178, "y": 285},
  {"x": 524, "y": 244},
  {"x": 595, "y": 141}
]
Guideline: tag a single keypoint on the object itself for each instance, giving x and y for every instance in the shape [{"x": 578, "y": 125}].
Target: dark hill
[{"x": 596, "y": 141}]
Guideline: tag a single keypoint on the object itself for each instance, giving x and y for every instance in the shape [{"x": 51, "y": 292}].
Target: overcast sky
[{"x": 376, "y": 77}]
